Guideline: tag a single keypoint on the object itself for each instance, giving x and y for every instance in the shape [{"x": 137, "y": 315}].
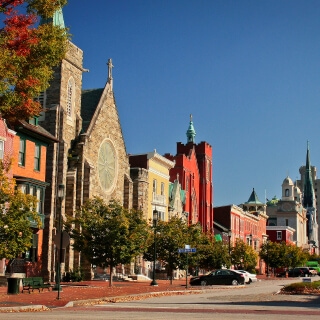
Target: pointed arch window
[{"x": 70, "y": 97}]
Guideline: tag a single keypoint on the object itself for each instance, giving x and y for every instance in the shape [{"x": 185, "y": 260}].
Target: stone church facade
[{"x": 90, "y": 158}]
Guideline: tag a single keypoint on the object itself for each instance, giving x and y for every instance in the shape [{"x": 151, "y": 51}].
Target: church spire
[
  {"x": 308, "y": 192},
  {"x": 191, "y": 133},
  {"x": 57, "y": 19}
]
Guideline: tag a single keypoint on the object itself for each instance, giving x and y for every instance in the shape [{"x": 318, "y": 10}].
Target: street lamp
[
  {"x": 155, "y": 220},
  {"x": 59, "y": 256}
]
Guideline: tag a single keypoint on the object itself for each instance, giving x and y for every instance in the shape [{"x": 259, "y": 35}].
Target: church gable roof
[{"x": 89, "y": 102}]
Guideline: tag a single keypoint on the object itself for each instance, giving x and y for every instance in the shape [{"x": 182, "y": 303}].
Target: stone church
[{"x": 90, "y": 158}]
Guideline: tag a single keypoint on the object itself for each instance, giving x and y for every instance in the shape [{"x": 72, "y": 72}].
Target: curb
[
  {"x": 114, "y": 299},
  {"x": 24, "y": 309}
]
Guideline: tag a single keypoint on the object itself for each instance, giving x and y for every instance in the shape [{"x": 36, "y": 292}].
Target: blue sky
[{"x": 248, "y": 72}]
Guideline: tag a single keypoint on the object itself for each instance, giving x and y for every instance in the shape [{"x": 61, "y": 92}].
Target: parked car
[
  {"x": 313, "y": 271},
  {"x": 246, "y": 276},
  {"x": 250, "y": 277},
  {"x": 220, "y": 276},
  {"x": 300, "y": 272}
]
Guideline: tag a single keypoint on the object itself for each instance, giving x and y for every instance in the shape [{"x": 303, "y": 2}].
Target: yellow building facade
[{"x": 150, "y": 175}]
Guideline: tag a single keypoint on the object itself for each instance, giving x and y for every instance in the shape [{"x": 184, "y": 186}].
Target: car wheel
[
  {"x": 234, "y": 282},
  {"x": 203, "y": 282},
  {"x": 250, "y": 280}
]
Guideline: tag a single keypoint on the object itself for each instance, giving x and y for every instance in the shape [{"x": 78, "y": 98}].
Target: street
[{"x": 243, "y": 302}]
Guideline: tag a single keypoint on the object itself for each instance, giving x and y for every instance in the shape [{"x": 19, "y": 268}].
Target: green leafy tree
[
  {"x": 28, "y": 54},
  {"x": 294, "y": 256},
  {"x": 282, "y": 255},
  {"x": 16, "y": 212},
  {"x": 243, "y": 256},
  {"x": 108, "y": 234},
  {"x": 213, "y": 254},
  {"x": 270, "y": 252},
  {"x": 170, "y": 236}
]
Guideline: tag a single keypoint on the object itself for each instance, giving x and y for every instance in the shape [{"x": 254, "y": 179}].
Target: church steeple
[
  {"x": 56, "y": 20},
  {"x": 308, "y": 192},
  {"x": 191, "y": 133}
]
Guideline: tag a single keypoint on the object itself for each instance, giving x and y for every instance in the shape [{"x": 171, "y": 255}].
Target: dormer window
[{"x": 34, "y": 121}]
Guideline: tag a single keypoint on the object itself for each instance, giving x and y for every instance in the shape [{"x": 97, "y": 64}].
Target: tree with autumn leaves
[
  {"x": 17, "y": 210},
  {"x": 28, "y": 54}
]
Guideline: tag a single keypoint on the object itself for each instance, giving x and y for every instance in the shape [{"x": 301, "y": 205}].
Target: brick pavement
[
  {"x": 93, "y": 290},
  {"x": 87, "y": 290}
]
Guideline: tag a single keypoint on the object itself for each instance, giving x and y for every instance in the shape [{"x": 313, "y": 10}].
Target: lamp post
[
  {"x": 155, "y": 220},
  {"x": 59, "y": 255}
]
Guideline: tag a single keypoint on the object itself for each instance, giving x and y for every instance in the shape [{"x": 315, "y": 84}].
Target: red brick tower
[{"x": 193, "y": 169}]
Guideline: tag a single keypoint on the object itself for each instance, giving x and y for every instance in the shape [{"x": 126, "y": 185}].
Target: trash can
[{"x": 13, "y": 285}]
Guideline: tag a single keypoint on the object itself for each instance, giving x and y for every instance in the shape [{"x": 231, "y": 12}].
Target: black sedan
[
  {"x": 300, "y": 272},
  {"x": 221, "y": 276}
]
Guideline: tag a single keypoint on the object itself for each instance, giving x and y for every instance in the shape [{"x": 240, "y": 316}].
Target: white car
[
  {"x": 246, "y": 276},
  {"x": 250, "y": 276}
]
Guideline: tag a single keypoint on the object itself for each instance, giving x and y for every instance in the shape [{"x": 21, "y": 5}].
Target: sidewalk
[
  {"x": 87, "y": 292},
  {"x": 83, "y": 292}
]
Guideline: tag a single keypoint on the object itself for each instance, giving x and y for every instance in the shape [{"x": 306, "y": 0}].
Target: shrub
[
  {"x": 302, "y": 287},
  {"x": 73, "y": 276}
]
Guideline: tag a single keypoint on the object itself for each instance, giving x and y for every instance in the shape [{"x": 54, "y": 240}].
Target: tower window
[
  {"x": 70, "y": 94},
  {"x": 42, "y": 99},
  {"x": 286, "y": 193}
]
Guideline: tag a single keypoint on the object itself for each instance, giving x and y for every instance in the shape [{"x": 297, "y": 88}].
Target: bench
[{"x": 32, "y": 283}]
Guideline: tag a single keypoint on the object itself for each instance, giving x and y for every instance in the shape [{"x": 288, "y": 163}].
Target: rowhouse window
[
  {"x": 37, "y": 157},
  {"x": 162, "y": 188},
  {"x": 22, "y": 152},
  {"x": 35, "y": 191},
  {"x": 39, "y": 195},
  {"x": 279, "y": 235},
  {"x": 32, "y": 253},
  {"x": 161, "y": 215},
  {"x": 154, "y": 186}
]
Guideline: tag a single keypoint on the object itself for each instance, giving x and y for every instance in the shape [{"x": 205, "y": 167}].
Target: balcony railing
[{"x": 159, "y": 199}]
